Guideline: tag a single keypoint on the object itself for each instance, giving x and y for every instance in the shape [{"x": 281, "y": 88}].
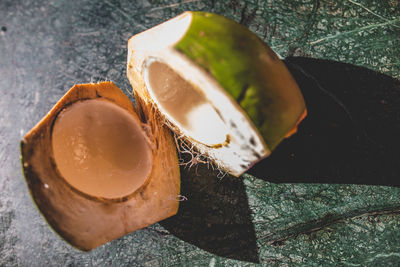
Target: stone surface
[{"x": 47, "y": 46}]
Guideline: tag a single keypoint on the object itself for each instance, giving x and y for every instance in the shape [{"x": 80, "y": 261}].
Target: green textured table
[{"x": 47, "y": 46}]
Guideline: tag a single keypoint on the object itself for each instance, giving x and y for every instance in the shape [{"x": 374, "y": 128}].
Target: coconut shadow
[
  {"x": 351, "y": 133},
  {"x": 215, "y": 216}
]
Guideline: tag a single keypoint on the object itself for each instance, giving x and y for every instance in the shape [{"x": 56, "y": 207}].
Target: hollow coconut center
[
  {"x": 184, "y": 105},
  {"x": 100, "y": 149}
]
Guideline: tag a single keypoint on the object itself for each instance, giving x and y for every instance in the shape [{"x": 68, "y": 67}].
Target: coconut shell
[
  {"x": 241, "y": 78},
  {"x": 86, "y": 221}
]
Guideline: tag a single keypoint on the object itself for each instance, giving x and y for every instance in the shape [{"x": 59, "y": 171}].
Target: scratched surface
[{"x": 47, "y": 46}]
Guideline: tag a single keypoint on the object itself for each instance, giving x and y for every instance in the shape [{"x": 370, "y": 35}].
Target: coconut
[
  {"x": 96, "y": 170},
  {"x": 219, "y": 87}
]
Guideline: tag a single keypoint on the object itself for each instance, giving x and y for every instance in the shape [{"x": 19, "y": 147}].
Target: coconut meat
[
  {"x": 100, "y": 149},
  {"x": 185, "y": 105}
]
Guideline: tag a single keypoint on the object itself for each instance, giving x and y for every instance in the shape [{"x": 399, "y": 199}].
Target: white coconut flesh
[
  {"x": 195, "y": 105},
  {"x": 100, "y": 149}
]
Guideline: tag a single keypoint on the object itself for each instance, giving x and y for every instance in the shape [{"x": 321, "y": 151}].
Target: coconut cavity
[
  {"x": 185, "y": 105},
  {"x": 100, "y": 149}
]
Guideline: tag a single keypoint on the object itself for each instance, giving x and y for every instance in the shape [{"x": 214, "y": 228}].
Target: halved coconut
[
  {"x": 218, "y": 85},
  {"x": 96, "y": 171}
]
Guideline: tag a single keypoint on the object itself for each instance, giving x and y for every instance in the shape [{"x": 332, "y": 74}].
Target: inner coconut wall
[
  {"x": 185, "y": 105},
  {"x": 100, "y": 150}
]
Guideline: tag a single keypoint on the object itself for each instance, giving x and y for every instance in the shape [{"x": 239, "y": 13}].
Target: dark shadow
[
  {"x": 352, "y": 131},
  {"x": 216, "y": 216}
]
